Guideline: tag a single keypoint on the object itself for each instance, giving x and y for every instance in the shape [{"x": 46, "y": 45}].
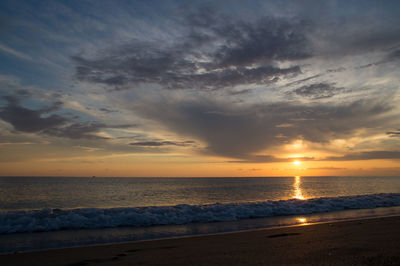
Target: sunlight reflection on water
[{"x": 297, "y": 188}]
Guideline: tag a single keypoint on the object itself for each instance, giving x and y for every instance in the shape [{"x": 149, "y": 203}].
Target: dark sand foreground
[{"x": 362, "y": 242}]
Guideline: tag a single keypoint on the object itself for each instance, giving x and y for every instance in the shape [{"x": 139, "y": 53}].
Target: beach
[{"x": 358, "y": 242}]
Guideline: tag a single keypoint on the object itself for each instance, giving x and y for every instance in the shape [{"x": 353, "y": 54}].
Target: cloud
[
  {"x": 388, "y": 58},
  {"x": 372, "y": 39},
  {"x": 13, "y": 52},
  {"x": 326, "y": 168},
  {"x": 162, "y": 143},
  {"x": 28, "y": 120},
  {"x": 354, "y": 36},
  {"x": 336, "y": 70},
  {"x": 240, "y": 131},
  {"x": 368, "y": 155},
  {"x": 266, "y": 40},
  {"x": 81, "y": 130},
  {"x": 16, "y": 143},
  {"x": 250, "y": 170},
  {"x": 106, "y": 110},
  {"x": 212, "y": 53},
  {"x": 394, "y": 55},
  {"x": 41, "y": 121},
  {"x": 88, "y": 149},
  {"x": 240, "y": 92},
  {"x": 317, "y": 90},
  {"x": 297, "y": 82},
  {"x": 269, "y": 159},
  {"x": 394, "y": 133}
]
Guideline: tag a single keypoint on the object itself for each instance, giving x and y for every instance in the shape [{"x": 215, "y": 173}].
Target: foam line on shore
[{"x": 89, "y": 218}]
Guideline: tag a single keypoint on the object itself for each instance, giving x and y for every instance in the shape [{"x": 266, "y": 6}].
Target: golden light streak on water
[{"x": 297, "y": 188}]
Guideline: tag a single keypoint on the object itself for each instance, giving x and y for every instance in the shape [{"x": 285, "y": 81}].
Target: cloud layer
[
  {"x": 214, "y": 52},
  {"x": 243, "y": 132}
]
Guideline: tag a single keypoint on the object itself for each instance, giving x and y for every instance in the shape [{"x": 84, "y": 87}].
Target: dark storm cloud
[
  {"x": 214, "y": 53},
  {"x": 241, "y": 132},
  {"x": 162, "y": 143},
  {"x": 369, "y": 155},
  {"x": 40, "y": 121},
  {"x": 317, "y": 90}
]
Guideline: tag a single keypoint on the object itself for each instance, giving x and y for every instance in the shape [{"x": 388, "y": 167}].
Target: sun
[
  {"x": 302, "y": 220},
  {"x": 296, "y": 162}
]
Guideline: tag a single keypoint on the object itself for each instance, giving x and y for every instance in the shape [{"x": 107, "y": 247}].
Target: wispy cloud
[
  {"x": 317, "y": 90},
  {"x": 162, "y": 143},
  {"x": 16, "y": 143},
  {"x": 326, "y": 168},
  {"x": 368, "y": 155},
  {"x": 13, "y": 52}
]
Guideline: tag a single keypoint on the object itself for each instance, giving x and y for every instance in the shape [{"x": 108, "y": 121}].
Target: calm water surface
[{"x": 28, "y": 193}]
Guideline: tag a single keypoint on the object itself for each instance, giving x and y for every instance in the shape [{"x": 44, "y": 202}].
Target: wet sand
[{"x": 359, "y": 242}]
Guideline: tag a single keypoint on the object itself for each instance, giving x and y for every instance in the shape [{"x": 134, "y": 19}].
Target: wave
[{"x": 90, "y": 218}]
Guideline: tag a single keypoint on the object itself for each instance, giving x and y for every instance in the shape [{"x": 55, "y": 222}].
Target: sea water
[{"x": 45, "y": 212}]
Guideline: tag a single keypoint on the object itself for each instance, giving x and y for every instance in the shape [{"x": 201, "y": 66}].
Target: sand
[{"x": 359, "y": 242}]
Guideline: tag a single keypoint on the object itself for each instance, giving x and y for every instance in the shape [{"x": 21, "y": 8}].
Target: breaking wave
[{"x": 90, "y": 218}]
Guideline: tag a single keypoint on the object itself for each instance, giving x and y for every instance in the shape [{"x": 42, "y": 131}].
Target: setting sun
[
  {"x": 296, "y": 162},
  {"x": 302, "y": 220}
]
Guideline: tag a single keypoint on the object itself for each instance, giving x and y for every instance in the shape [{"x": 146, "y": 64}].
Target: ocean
[{"x": 50, "y": 212}]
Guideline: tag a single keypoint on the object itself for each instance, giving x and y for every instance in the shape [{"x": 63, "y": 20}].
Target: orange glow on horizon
[{"x": 65, "y": 163}]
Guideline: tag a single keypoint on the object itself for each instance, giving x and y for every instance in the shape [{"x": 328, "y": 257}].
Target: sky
[{"x": 199, "y": 88}]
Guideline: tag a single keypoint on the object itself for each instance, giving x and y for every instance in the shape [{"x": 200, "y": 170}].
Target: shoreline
[
  {"x": 360, "y": 241},
  {"x": 48, "y": 240}
]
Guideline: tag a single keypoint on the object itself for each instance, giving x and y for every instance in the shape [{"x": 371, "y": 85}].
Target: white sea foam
[{"x": 57, "y": 219}]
